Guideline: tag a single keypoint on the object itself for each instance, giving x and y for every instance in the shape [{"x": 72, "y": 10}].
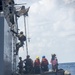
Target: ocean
[{"x": 67, "y": 66}]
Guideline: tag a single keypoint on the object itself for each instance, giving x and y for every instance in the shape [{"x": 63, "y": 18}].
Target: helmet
[
  {"x": 43, "y": 56},
  {"x": 21, "y": 32},
  {"x": 37, "y": 57}
]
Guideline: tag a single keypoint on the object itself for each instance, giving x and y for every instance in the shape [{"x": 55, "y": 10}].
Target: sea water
[{"x": 67, "y": 66}]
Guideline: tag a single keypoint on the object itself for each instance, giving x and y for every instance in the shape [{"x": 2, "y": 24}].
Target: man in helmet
[
  {"x": 44, "y": 64},
  {"x": 21, "y": 38},
  {"x": 37, "y": 65}
]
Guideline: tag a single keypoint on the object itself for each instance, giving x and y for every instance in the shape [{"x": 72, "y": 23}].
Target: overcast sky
[{"x": 51, "y": 27}]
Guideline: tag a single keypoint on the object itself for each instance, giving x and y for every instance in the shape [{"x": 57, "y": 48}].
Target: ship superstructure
[
  {"x": 8, "y": 20},
  {"x": 8, "y": 40}
]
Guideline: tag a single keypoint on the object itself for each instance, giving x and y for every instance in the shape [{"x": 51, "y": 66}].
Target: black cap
[
  {"x": 28, "y": 56},
  {"x": 20, "y": 57},
  {"x": 21, "y": 32}
]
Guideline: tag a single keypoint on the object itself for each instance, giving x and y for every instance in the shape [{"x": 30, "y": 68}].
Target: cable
[
  {"x": 28, "y": 30},
  {"x": 26, "y": 34}
]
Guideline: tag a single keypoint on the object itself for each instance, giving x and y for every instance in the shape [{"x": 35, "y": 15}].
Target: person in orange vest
[
  {"x": 54, "y": 62},
  {"x": 44, "y": 64},
  {"x": 37, "y": 65}
]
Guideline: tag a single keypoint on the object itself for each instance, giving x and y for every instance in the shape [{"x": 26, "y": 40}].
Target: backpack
[{"x": 24, "y": 38}]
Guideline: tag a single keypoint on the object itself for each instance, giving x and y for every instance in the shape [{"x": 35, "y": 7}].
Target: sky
[{"x": 51, "y": 29}]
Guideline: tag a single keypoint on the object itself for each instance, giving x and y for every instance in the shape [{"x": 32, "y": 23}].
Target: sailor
[
  {"x": 20, "y": 65},
  {"x": 54, "y": 62},
  {"x": 37, "y": 65},
  {"x": 21, "y": 38},
  {"x": 28, "y": 65},
  {"x": 44, "y": 64}
]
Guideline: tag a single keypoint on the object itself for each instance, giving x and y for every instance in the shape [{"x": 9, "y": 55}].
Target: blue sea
[{"x": 67, "y": 66}]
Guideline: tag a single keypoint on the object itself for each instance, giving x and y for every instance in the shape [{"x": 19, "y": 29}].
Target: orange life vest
[
  {"x": 37, "y": 62},
  {"x": 44, "y": 61}
]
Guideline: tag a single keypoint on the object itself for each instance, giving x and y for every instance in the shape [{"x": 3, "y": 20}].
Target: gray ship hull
[{"x": 6, "y": 49}]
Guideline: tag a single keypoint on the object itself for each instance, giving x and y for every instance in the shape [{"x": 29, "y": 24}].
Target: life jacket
[
  {"x": 37, "y": 62},
  {"x": 44, "y": 61}
]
